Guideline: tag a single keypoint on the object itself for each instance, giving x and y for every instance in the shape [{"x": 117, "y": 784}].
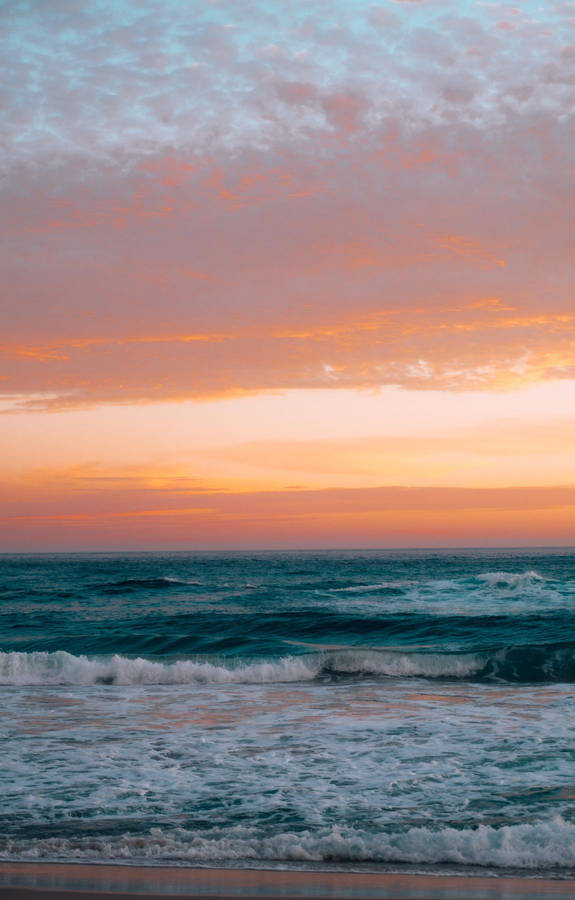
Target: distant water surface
[{"x": 358, "y": 709}]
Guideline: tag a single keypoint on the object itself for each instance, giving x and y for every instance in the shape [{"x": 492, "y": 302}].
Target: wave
[
  {"x": 132, "y": 584},
  {"x": 385, "y": 588},
  {"x": 498, "y": 580},
  {"x": 510, "y": 579},
  {"x": 531, "y": 846},
  {"x": 64, "y": 668},
  {"x": 522, "y": 664}
]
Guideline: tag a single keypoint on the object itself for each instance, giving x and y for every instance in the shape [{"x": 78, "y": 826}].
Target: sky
[{"x": 286, "y": 274}]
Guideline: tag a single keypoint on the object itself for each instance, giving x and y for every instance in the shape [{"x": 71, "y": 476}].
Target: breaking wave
[
  {"x": 510, "y": 579},
  {"x": 521, "y": 664},
  {"x": 530, "y": 846}
]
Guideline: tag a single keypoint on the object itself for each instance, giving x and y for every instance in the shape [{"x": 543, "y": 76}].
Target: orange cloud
[
  {"x": 480, "y": 343},
  {"x": 399, "y": 261}
]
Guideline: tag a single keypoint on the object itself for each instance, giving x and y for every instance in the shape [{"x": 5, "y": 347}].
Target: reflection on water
[{"x": 269, "y": 883}]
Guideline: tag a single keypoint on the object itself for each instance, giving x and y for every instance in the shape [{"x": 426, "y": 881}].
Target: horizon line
[{"x": 271, "y": 550}]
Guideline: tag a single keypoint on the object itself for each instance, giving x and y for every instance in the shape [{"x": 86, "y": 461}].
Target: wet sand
[{"x": 47, "y": 881}]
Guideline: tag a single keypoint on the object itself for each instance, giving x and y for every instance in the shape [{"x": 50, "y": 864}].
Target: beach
[{"x": 28, "y": 881}]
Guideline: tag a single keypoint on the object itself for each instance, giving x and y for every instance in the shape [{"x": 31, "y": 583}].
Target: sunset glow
[{"x": 293, "y": 275}]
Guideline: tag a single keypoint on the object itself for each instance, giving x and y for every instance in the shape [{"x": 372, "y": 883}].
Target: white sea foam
[
  {"x": 405, "y": 665},
  {"x": 510, "y": 579},
  {"x": 372, "y": 588},
  {"x": 535, "y": 846},
  {"x": 64, "y": 668}
]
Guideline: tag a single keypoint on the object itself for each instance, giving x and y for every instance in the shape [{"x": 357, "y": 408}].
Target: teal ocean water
[{"x": 352, "y": 710}]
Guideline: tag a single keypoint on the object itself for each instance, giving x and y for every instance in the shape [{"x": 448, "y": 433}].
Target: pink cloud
[{"x": 339, "y": 210}]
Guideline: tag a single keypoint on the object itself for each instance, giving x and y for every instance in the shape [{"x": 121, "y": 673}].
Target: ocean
[{"x": 354, "y": 710}]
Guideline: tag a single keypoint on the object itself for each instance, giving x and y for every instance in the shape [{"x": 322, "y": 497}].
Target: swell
[
  {"x": 513, "y": 664},
  {"x": 129, "y": 585},
  {"x": 269, "y": 631}
]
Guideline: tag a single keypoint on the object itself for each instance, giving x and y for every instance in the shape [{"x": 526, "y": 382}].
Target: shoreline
[{"x": 82, "y": 881}]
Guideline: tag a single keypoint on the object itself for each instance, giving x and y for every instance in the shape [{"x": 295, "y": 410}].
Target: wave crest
[
  {"x": 512, "y": 664},
  {"x": 510, "y": 579},
  {"x": 64, "y": 668}
]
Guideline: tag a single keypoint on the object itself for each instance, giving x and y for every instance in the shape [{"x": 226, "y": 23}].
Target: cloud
[
  {"x": 132, "y": 80},
  {"x": 227, "y": 199},
  {"x": 515, "y": 452}
]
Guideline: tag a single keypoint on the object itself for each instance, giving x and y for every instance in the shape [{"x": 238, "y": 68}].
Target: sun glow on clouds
[{"x": 351, "y": 220}]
